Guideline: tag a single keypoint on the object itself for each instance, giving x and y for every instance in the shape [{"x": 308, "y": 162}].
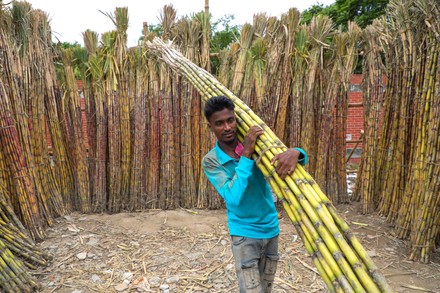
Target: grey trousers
[{"x": 255, "y": 262}]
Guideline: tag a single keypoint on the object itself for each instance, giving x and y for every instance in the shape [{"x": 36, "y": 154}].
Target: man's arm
[{"x": 232, "y": 189}]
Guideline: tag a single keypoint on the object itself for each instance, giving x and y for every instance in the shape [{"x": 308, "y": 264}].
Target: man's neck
[{"x": 229, "y": 147}]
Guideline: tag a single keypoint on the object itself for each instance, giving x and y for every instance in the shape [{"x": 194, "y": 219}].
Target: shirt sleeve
[
  {"x": 303, "y": 157},
  {"x": 232, "y": 189}
]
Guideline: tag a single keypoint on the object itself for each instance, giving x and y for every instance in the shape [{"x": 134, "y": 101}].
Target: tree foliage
[
  {"x": 79, "y": 57},
  {"x": 155, "y": 28},
  {"x": 316, "y": 9},
  {"x": 363, "y": 12},
  {"x": 223, "y": 33}
]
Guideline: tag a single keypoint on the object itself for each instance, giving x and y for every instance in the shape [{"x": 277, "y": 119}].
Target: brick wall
[
  {"x": 83, "y": 113},
  {"x": 355, "y": 119}
]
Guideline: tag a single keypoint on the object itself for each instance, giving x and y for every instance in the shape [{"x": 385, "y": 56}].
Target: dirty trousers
[{"x": 255, "y": 262}]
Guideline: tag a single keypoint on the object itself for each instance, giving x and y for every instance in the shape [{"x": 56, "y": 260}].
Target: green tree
[
  {"x": 222, "y": 34},
  {"x": 155, "y": 28},
  {"x": 363, "y": 12},
  {"x": 66, "y": 45},
  {"x": 79, "y": 57},
  {"x": 316, "y": 9}
]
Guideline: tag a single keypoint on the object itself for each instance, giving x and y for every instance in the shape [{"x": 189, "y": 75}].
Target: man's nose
[{"x": 227, "y": 126}]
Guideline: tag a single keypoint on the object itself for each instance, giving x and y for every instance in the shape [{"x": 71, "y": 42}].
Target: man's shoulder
[{"x": 210, "y": 158}]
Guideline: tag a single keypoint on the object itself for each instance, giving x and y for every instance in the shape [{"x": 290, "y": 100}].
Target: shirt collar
[{"x": 224, "y": 157}]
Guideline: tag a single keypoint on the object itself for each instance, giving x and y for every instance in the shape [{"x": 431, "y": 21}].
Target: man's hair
[{"x": 216, "y": 104}]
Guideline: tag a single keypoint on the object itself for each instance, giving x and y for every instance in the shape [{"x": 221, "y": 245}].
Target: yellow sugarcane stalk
[{"x": 342, "y": 268}]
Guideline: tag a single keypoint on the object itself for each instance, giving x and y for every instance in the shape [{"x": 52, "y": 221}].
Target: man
[{"x": 252, "y": 216}]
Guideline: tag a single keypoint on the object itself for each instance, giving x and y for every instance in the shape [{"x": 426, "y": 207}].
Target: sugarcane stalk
[
  {"x": 315, "y": 216},
  {"x": 401, "y": 134},
  {"x": 333, "y": 230}
]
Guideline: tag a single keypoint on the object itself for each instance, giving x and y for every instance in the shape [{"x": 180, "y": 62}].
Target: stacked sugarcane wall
[
  {"x": 400, "y": 168},
  {"x": 29, "y": 99},
  {"x": 147, "y": 134}
]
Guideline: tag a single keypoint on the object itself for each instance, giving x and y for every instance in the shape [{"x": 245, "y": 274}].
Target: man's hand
[
  {"x": 250, "y": 139},
  {"x": 286, "y": 162}
]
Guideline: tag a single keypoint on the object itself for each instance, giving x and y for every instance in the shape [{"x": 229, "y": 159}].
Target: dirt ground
[{"x": 189, "y": 251}]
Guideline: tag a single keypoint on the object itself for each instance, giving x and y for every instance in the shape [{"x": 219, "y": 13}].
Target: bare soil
[{"x": 189, "y": 251}]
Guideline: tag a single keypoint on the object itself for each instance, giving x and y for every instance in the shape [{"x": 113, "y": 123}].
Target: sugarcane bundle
[
  {"x": 18, "y": 252},
  {"x": 400, "y": 174},
  {"x": 418, "y": 212},
  {"x": 372, "y": 97},
  {"x": 15, "y": 236},
  {"x": 74, "y": 122},
  {"x": 138, "y": 79},
  {"x": 16, "y": 156},
  {"x": 425, "y": 230},
  {"x": 283, "y": 43},
  {"x": 97, "y": 122},
  {"x": 13, "y": 276},
  {"x": 339, "y": 257},
  {"x": 110, "y": 82},
  {"x": 186, "y": 136},
  {"x": 38, "y": 95},
  {"x": 29, "y": 56},
  {"x": 120, "y": 20}
]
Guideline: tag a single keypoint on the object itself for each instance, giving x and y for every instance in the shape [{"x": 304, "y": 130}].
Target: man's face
[{"x": 224, "y": 125}]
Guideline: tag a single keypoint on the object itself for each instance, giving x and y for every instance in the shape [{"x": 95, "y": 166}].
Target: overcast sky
[{"x": 70, "y": 18}]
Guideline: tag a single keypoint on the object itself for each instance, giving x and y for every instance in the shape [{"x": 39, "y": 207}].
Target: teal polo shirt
[{"x": 249, "y": 205}]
